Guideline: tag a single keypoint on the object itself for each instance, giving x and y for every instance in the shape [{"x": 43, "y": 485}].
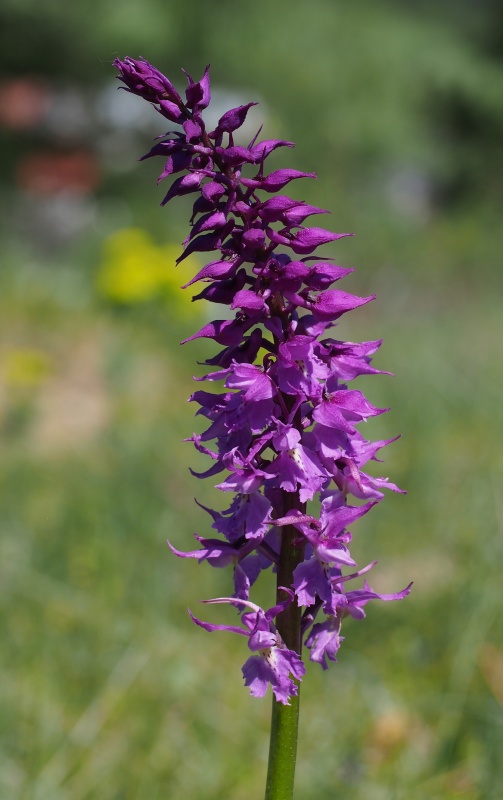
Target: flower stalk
[
  {"x": 285, "y": 718},
  {"x": 282, "y": 749},
  {"x": 283, "y": 429}
]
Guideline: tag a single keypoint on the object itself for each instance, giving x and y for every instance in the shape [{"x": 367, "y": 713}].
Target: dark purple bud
[
  {"x": 209, "y": 222},
  {"x": 166, "y": 148},
  {"x": 308, "y": 239},
  {"x": 234, "y": 118},
  {"x": 171, "y": 111},
  {"x": 198, "y": 94},
  {"x": 287, "y": 276},
  {"x": 224, "y": 331},
  {"x": 213, "y": 191},
  {"x": 245, "y": 352},
  {"x": 247, "y": 211},
  {"x": 217, "y": 269},
  {"x": 234, "y": 156},
  {"x": 273, "y": 210},
  {"x": 332, "y": 303},
  {"x": 297, "y": 214},
  {"x": 276, "y": 180},
  {"x": 143, "y": 79},
  {"x": 193, "y": 130},
  {"x": 175, "y": 163},
  {"x": 206, "y": 242},
  {"x": 254, "y": 239},
  {"x": 321, "y": 276},
  {"x": 248, "y": 301},
  {"x": 189, "y": 183},
  {"x": 223, "y": 291},
  {"x": 201, "y": 206},
  {"x": 262, "y": 149}
]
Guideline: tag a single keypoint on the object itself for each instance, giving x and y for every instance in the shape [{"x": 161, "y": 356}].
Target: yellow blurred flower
[
  {"x": 134, "y": 270},
  {"x": 25, "y": 367}
]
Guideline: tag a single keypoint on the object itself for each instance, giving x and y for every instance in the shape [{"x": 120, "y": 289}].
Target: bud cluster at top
[{"x": 284, "y": 427}]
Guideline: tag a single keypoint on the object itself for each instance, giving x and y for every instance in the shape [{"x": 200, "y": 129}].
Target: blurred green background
[{"x": 107, "y": 691}]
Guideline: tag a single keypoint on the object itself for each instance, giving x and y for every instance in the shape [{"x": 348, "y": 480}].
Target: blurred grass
[{"x": 109, "y": 692}]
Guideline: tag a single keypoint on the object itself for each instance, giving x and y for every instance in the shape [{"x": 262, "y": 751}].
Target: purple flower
[
  {"x": 283, "y": 429},
  {"x": 143, "y": 79},
  {"x": 272, "y": 662},
  {"x": 221, "y": 554},
  {"x": 324, "y": 639}
]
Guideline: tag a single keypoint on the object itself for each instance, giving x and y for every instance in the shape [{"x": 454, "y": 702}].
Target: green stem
[
  {"x": 285, "y": 718},
  {"x": 282, "y": 750}
]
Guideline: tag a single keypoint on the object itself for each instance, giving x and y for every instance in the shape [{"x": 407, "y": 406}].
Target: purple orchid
[
  {"x": 272, "y": 662},
  {"x": 285, "y": 427}
]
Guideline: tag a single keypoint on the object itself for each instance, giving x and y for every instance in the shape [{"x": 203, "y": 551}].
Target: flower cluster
[{"x": 284, "y": 427}]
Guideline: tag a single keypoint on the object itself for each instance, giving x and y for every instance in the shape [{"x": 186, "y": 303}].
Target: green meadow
[{"x": 108, "y": 690}]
